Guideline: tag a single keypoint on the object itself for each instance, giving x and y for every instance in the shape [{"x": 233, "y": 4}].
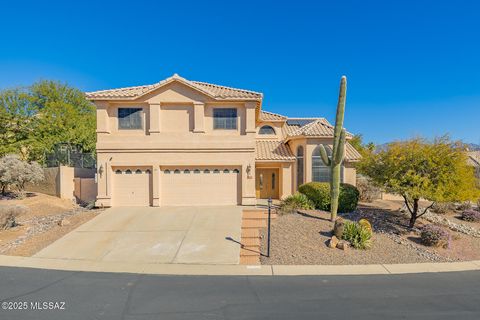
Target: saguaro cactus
[{"x": 335, "y": 161}]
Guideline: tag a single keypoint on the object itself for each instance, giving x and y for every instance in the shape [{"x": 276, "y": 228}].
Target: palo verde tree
[
  {"x": 418, "y": 169},
  {"x": 335, "y": 161}
]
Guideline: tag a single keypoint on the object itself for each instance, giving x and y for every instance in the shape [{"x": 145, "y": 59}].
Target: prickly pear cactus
[{"x": 335, "y": 161}]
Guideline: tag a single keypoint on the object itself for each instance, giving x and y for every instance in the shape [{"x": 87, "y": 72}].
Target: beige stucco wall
[
  {"x": 177, "y": 130},
  {"x": 85, "y": 189}
]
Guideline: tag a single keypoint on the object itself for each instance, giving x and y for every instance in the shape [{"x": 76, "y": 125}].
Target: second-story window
[
  {"x": 266, "y": 130},
  {"x": 225, "y": 118},
  {"x": 130, "y": 118}
]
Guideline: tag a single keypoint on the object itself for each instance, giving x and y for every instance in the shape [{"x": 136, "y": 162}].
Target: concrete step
[
  {"x": 249, "y": 242},
  {"x": 250, "y": 260},
  {"x": 249, "y": 253},
  {"x": 258, "y": 215},
  {"x": 250, "y": 233},
  {"x": 253, "y": 223}
]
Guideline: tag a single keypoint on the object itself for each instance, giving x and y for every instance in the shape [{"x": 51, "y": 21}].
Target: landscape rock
[
  {"x": 343, "y": 245},
  {"x": 64, "y": 222},
  {"x": 332, "y": 243}
]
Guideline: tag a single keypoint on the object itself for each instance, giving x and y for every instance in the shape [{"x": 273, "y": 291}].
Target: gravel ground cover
[
  {"x": 302, "y": 238},
  {"x": 48, "y": 219}
]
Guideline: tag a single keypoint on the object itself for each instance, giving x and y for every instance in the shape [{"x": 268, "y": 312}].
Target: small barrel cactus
[
  {"x": 365, "y": 224},
  {"x": 338, "y": 228}
]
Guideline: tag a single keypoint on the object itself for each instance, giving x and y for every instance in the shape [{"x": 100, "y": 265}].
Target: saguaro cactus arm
[{"x": 323, "y": 154}]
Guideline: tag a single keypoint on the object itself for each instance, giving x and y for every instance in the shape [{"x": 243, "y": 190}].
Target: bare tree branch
[{"x": 426, "y": 209}]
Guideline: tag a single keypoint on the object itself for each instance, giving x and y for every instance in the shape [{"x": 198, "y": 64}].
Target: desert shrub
[
  {"x": 442, "y": 207},
  {"x": 435, "y": 236},
  {"x": 358, "y": 236},
  {"x": 8, "y": 215},
  {"x": 15, "y": 173},
  {"x": 471, "y": 215},
  {"x": 466, "y": 205},
  {"x": 295, "y": 202},
  {"x": 367, "y": 190},
  {"x": 319, "y": 194}
]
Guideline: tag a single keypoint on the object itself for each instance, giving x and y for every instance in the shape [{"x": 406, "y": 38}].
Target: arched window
[
  {"x": 216, "y": 171},
  {"x": 320, "y": 172},
  {"x": 118, "y": 171},
  {"x": 266, "y": 130},
  {"x": 148, "y": 171},
  {"x": 186, "y": 171},
  {"x": 206, "y": 171},
  {"x": 128, "y": 171},
  {"x": 226, "y": 171},
  {"x": 166, "y": 171},
  {"x": 236, "y": 171},
  {"x": 300, "y": 166},
  {"x": 138, "y": 171},
  {"x": 176, "y": 171},
  {"x": 196, "y": 171}
]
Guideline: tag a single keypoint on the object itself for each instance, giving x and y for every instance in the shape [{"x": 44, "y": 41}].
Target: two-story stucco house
[{"x": 182, "y": 142}]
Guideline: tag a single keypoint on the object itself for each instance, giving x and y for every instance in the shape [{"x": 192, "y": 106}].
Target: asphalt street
[{"x": 47, "y": 294}]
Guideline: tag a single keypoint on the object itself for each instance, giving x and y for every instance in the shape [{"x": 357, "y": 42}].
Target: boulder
[
  {"x": 343, "y": 245},
  {"x": 333, "y": 242}
]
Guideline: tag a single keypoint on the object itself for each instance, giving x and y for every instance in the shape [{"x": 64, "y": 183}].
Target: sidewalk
[{"x": 240, "y": 270}]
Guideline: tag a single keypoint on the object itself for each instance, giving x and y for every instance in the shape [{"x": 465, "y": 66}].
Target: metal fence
[{"x": 70, "y": 155}]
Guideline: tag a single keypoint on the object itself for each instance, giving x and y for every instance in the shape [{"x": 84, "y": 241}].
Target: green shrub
[
  {"x": 295, "y": 202},
  {"x": 358, "y": 236},
  {"x": 319, "y": 194}
]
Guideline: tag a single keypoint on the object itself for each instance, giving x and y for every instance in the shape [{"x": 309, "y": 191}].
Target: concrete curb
[{"x": 235, "y": 270}]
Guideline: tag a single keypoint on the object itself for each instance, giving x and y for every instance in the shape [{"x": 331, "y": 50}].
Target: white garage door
[
  {"x": 182, "y": 186},
  {"x": 131, "y": 186}
]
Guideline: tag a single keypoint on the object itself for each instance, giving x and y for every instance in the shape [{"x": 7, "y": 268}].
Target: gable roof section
[
  {"x": 351, "y": 154},
  {"x": 270, "y": 116},
  {"x": 212, "y": 90},
  {"x": 272, "y": 150},
  {"x": 309, "y": 127}
]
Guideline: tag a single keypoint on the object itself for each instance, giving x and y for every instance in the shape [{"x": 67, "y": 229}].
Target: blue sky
[{"x": 413, "y": 67}]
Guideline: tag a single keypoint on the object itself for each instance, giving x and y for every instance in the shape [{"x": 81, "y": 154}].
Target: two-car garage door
[
  {"x": 200, "y": 186},
  {"x": 215, "y": 185}
]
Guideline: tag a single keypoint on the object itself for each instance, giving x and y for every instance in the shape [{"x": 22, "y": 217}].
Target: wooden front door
[{"x": 266, "y": 183}]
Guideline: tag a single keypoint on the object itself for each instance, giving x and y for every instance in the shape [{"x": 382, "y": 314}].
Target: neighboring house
[{"x": 182, "y": 142}]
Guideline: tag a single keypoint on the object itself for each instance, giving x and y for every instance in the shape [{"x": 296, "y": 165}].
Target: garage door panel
[
  {"x": 200, "y": 186},
  {"x": 132, "y": 186}
]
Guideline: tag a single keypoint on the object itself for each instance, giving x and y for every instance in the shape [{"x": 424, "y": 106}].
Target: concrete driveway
[{"x": 196, "y": 235}]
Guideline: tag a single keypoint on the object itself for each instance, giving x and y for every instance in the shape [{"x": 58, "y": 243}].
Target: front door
[{"x": 266, "y": 183}]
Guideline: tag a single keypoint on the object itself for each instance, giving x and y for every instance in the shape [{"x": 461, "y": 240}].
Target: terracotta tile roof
[
  {"x": 272, "y": 150},
  {"x": 351, "y": 154},
  {"x": 318, "y": 127},
  {"x": 270, "y": 116},
  {"x": 213, "y": 90}
]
